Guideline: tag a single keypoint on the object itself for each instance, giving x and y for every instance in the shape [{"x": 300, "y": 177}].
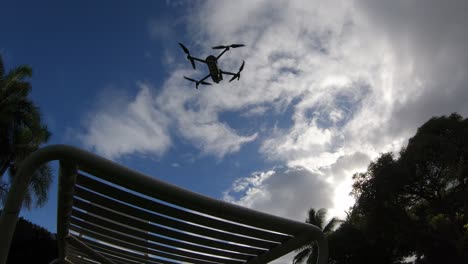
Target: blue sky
[
  {"x": 79, "y": 51},
  {"x": 327, "y": 86}
]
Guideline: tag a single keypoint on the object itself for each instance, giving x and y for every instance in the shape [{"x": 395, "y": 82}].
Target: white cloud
[
  {"x": 429, "y": 40},
  {"x": 120, "y": 125},
  {"x": 123, "y": 125},
  {"x": 359, "y": 76},
  {"x": 197, "y": 117},
  {"x": 286, "y": 192},
  {"x": 380, "y": 72},
  {"x": 214, "y": 137},
  {"x": 351, "y": 78}
]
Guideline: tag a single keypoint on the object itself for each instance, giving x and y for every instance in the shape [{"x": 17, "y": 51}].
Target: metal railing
[{"x": 73, "y": 159}]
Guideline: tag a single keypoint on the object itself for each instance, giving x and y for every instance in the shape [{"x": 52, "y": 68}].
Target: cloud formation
[
  {"x": 124, "y": 125},
  {"x": 351, "y": 79},
  {"x": 281, "y": 191},
  {"x": 359, "y": 76}
]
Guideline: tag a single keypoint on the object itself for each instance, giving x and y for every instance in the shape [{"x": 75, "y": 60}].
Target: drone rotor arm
[
  {"x": 189, "y": 57},
  {"x": 229, "y": 73},
  {"x": 219, "y": 47},
  {"x": 204, "y": 78},
  {"x": 202, "y": 81},
  {"x": 197, "y": 59},
  {"x": 193, "y": 59},
  {"x": 221, "y": 54},
  {"x": 226, "y": 48}
]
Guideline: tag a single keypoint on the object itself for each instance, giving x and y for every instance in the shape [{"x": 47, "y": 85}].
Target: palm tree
[
  {"x": 21, "y": 133},
  {"x": 309, "y": 252}
]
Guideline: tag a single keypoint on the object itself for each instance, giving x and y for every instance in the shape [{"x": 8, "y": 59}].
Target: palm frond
[
  {"x": 13, "y": 85},
  {"x": 316, "y": 217},
  {"x": 27, "y": 201},
  {"x": 330, "y": 226},
  {"x": 311, "y": 216},
  {"x": 40, "y": 184},
  {"x": 19, "y": 73},
  {"x": 12, "y": 91},
  {"x": 312, "y": 259},
  {"x": 304, "y": 247},
  {"x": 320, "y": 215},
  {"x": 21, "y": 132},
  {"x": 301, "y": 256}
]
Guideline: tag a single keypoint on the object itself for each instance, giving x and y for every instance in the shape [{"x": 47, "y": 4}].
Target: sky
[{"x": 327, "y": 86}]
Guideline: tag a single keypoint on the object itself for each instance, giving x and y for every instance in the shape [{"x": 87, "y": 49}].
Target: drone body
[
  {"x": 212, "y": 62},
  {"x": 215, "y": 72}
]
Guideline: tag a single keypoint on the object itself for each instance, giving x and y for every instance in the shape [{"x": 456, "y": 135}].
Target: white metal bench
[{"x": 108, "y": 213}]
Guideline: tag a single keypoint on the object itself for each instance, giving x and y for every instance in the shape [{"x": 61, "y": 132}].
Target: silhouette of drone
[{"x": 212, "y": 62}]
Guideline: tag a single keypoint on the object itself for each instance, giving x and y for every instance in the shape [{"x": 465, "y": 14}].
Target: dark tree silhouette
[
  {"x": 21, "y": 133},
  {"x": 348, "y": 244},
  {"x": 417, "y": 204},
  {"x": 32, "y": 244}
]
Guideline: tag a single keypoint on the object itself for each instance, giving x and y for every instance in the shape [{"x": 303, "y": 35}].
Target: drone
[{"x": 212, "y": 62}]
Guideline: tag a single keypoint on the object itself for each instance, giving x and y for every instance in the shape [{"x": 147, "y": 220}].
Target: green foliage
[
  {"x": 21, "y": 133},
  {"x": 412, "y": 205}
]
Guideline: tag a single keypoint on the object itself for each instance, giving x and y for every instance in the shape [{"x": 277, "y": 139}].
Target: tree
[
  {"x": 417, "y": 204},
  {"x": 32, "y": 244},
  {"x": 349, "y": 244},
  {"x": 309, "y": 252},
  {"x": 21, "y": 133}
]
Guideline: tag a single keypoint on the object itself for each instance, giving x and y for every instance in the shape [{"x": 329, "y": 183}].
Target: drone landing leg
[{"x": 197, "y": 59}]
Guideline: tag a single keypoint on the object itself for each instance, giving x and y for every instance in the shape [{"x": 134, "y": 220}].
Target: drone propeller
[
  {"x": 242, "y": 66},
  {"x": 197, "y": 82},
  {"x": 188, "y": 55},
  {"x": 184, "y": 48},
  {"x": 230, "y": 46},
  {"x": 192, "y": 80},
  {"x": 237, "y": 45},
  {"x": 237, "y": 75}
]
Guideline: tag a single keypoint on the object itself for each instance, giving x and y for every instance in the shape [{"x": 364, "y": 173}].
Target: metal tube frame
[
  {"x": 67, "y": 179},
  {"x": 73, "y": 158},
  {"x": 89, "y": 251}
]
